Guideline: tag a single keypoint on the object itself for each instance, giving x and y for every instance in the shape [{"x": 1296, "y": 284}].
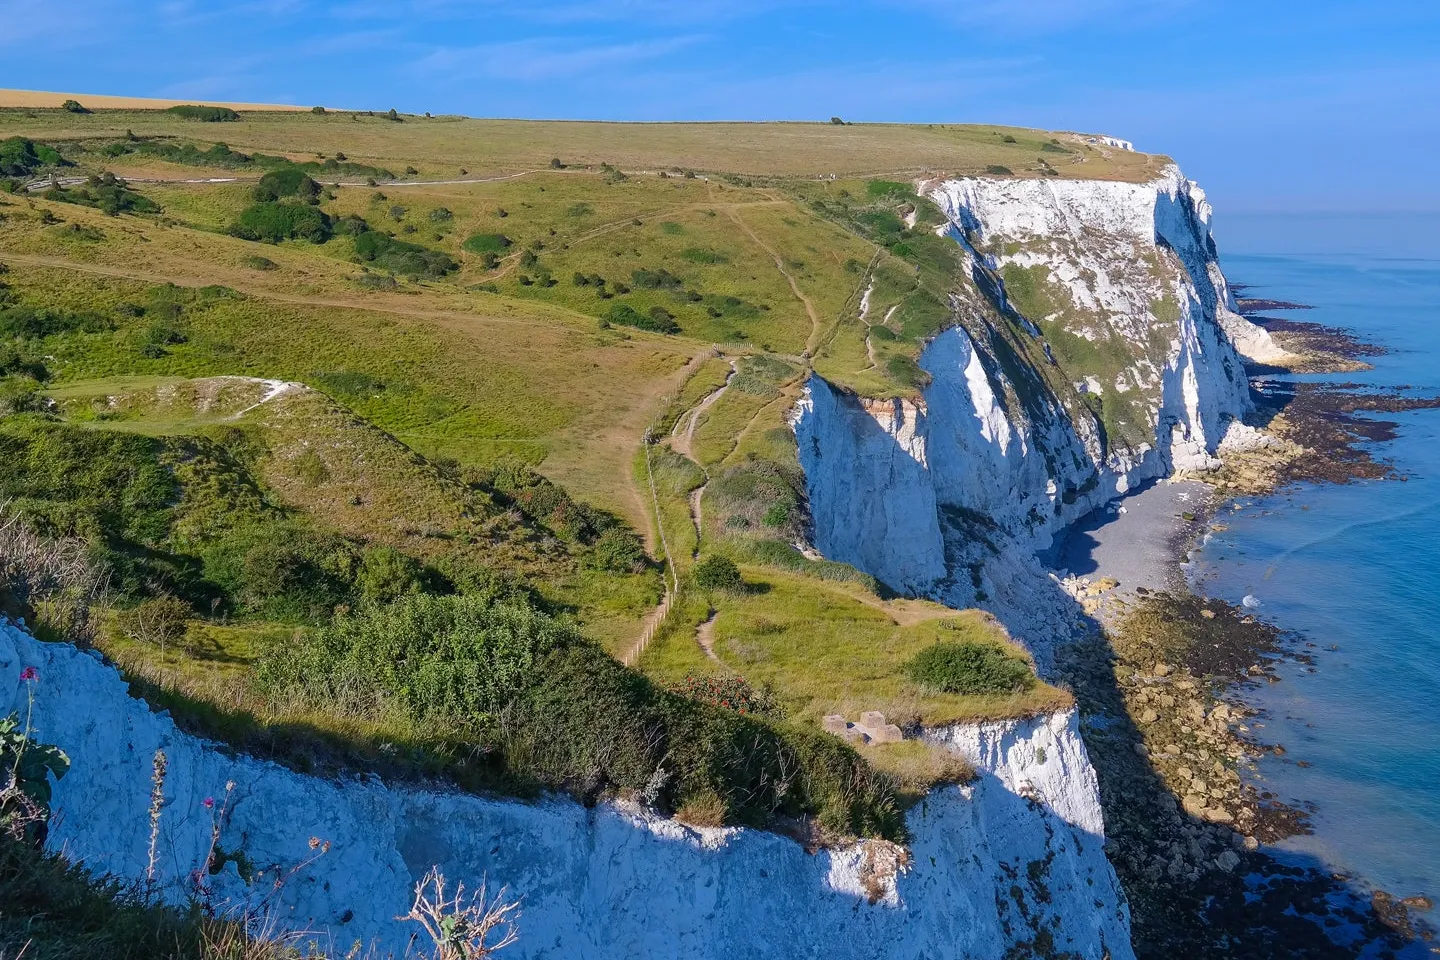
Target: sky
[{"x": 1273, "y": 105}]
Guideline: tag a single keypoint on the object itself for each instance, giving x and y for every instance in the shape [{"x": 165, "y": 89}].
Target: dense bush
[
  {"x": 30, "y": 322},
  {"x": 660, "y": 279},
  {"x": 106, "y": 192},
  {"x": 485, "y": 243},
  {"x": 456, "y": 659},
  {"x": 401, "y": 256},
  {"x": 967, "y": 667},
  {"x": 729, "y": 691},
  {"x": 513, "y": 483},
  {"x": 622, "y": 314},
  {"x": 717, "y": 573},
  {"x": 271, "y": 222},
  {"x": 20, "y": 157},
  {"x": 286, "y": 182},
  {"x": 192, "y": 111}
]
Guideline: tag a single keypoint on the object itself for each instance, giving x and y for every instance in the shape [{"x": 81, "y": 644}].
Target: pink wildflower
[
  {"x": 29, "y": 673},
  {"x": 208, "y": 803}
]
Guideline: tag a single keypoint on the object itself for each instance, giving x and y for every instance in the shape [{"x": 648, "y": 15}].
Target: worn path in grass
[
  {"x": 813, "y": 341},
  {"x": 705, "y": 636}
]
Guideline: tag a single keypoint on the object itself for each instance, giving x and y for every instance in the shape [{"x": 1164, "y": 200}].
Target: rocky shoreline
[{"x": 1160, "y": 685}]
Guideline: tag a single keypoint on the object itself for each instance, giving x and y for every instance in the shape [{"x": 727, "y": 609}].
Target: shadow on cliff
[{"x": 1194, "y": 889}]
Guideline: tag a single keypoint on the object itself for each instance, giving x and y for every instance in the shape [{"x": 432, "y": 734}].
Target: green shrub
[
  {"x": 618, "y": 551},
  {"x": 272, "y": 222},
  {"x": 485, "y": 243},
  {"x": 455, "y": 659},
  {"x": 258, "y": 262},
  {"x": 28, "y": 768},
  {"x": 386, "y": 575},
  {"x": 107, "y": 193},
  {"x": 193, "y": 111},
  {"x": 967, "y": 667},
  {"x": 286, "y": 182},
  {"x": 717, "y": 572},
  {"x": 401, "y": 256},
  {"x": 160, "y": 621},
  {"x": 622, "y": 314},
  {"x": 21, "y": 157},
  {"x": 73, "y": 106}
]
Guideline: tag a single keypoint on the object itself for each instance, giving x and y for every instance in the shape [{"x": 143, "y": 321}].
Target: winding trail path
[
  {"x": 816, "y": 327},
  {"x": 705, "y": 636}
]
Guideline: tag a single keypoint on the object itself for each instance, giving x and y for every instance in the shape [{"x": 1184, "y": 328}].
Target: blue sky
[{"x": 1271, "y": 104}]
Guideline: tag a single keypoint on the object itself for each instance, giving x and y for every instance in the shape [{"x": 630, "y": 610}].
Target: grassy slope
[{"x": 481, "y": 365}]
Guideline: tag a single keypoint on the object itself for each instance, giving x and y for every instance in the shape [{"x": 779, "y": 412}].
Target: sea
[{"x": 1352, "y": 569}]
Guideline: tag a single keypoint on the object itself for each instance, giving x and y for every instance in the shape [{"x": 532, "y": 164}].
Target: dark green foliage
[
  {"x": 888, "y": 188},
  {"x": 728, "y": 691},
  {"x": 258, "y": 262},
  {"x": 73, "y": 106},
  {"x": 286, "y": 182},
  {"x": 386, "y": 575},
  {"x": 485, "y": 243},
  {"x": 401, "y": 256},
  {"x": 21, "y": 157},
  {"x": 192, "y": 111},
  {"x": 1000, "y": 171},
  {"x": 592, "y": 725},
  {"x": 28, "y": 766},
  {"x": 220, "y": 155},
  {"x": 455, "y": 659},
  {"x": 882, "y": 333},
  {"x": 272, "y": 222},
  {"x": 907, "y": 372},
  {"x": 179, "y": 516},
  {"x": 660, "y": 279},
  {"x": 55, "y": 910},
  {"x": 622, "y": 314},
  {"x": 733, "y": 308},
  {"x": 619, "y": 551},
  {"x": 967, "y": 667},
  {"x": 106, "y": 192},
  {"x": 513, "y": 483},
  {"x": 31, "y": 323},
  {"x": 717, "y": 572}
]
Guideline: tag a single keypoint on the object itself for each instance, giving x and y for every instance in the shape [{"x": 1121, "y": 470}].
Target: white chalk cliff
[
  {"x": 1010, "y": 865},
  {"x": 905, "y": 489}
]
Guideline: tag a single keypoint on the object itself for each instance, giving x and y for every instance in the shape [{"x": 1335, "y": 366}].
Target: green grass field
[{"x": 480, "y": 349}]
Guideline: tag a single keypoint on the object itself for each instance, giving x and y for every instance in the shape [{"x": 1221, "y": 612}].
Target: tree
[
  {"x": 159, "y": 621},
  {"x": 718, "y": 573},
  {"x": 317, "y": 110},
  {"x": 837, "y": 121},
  {"x": 73, "y": 106},
  {"x": 555, "y": 164},
  {"x": 392, "y": 115}
]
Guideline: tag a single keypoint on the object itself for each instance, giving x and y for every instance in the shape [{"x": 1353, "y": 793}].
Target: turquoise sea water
[{"x": 1355, "y": 567}]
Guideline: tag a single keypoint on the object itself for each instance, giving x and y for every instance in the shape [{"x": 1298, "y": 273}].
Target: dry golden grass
[
  {"x": 442, "y": 146},
  {"x": 44, "y": 100}
]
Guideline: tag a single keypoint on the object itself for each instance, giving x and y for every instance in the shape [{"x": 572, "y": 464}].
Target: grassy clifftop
[{"x": 388, "y": 386}]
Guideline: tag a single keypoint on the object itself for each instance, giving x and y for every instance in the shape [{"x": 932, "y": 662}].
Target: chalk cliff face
[
  {"x": 1008, "y": 865},
  {"x": 1095, "y": 347}
]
